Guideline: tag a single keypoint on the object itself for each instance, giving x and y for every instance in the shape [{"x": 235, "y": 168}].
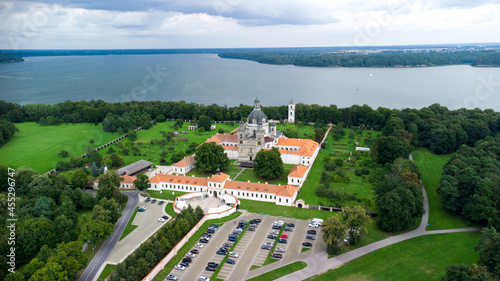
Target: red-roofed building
[
  {"x": 298, "y": 175},
  {"x": 126, "y": 182},
  {"x": 184, "y": 166}
]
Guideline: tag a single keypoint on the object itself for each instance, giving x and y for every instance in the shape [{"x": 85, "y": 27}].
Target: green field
[
  {"x": 431, "y": 168},
  {"x": 165, "y": 194},
  {"x": 272, "y": 209},
  {"x": 279, "y": 272},
  {"x": 108, "y": 269},
  {"x": 357, "y": 186},
  {"x": 151, "y": 152},
  {"x": 420, "y": 258},
  {"x": 36, "y": 146}
]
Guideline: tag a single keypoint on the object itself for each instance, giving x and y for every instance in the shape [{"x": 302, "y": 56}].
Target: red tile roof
[
  {"x": 219, "y": 178},
  {"x": 283, "y": 190},
  {"x": 166, "y": 178},
  {"x": 185, "y": 162},
  {"x": 298, "y": 171}
]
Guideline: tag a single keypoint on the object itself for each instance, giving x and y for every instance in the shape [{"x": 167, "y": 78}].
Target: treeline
[
  {"x": 7, "y": 58},
  {"x": 470, "y": 184},
  {"x": 435, "y": 127},
  {"x": 150, "y": 253},
  {"x": 7, "y": 131},
  {"x": 489, "y": 58}
]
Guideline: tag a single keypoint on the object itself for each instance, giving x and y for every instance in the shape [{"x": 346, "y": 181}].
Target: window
[
  {"x": 286, "y": 200},
  {"x": 241, "y": 142},
  {"x": 280, "y": 200}
]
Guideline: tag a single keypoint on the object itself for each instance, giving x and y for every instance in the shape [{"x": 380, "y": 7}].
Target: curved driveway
[
  {"x": 319, "y": 263},
  {"x": 95, "y": 264}
]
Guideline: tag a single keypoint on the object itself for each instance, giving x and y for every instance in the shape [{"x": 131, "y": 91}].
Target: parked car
[
  {"x": 282, "y": 241},
  {"x": 209, "y": 268},
  {"x": 228, "y": 245},
  {"x": 283, "y": 236},
  {"x": 266, "y": 247},
  {"x": 232, "y": 235},
  {"x": 172, "y": 277},
  {"x": 251, "y": 228},
  {"x": 276, "y": 226},
  {"x": 203, "y": 278},
  {"x": 233, "y": 254},
  {"x": 210, "y": 230},
  {"x": 311, "y": 231},
  {"x": 230, "y": 261},
  {"x": 213, "y": 225},
  {"x": 153, "y": 201},
  {"x": 224, "y": 249},
  {"x": 203, "y": 240},
  {"x": 257, "y": 220},
  {"x": 141, "y": 209},
  {"x": 213, "y": 264},
  {"x": 187, "y": 259},
  {"x": 279, "y": 250},
  {"x": 185, "y": 264},
  {"x": 313, "y": 225},
  {"x": 161, "y": 202},
  {"x": 195, "y": 251},
  {"x": 290, "y": 225},
  {"x": 310, "y": 237},
  {"x": 276, "y": 256},
  {"x": 274, "y": 232},
  {"x": 206, "y": 235},
  {"x": 271, "y": 236},
  {"x": 307, "y": 244},
  {"x": 162, "y": 220},
  {"x": 222, "y": 253},
  {"x": 198, "y": 245},
  {"x": 190, "y": 255},
  {"x": 289, "y": 229},
  {"x": 165, "y": 218},
  {"x": 147, "y": 200},
  {"x": 232, "y": 239},
  {"x": 268, "y": 244},
  {"x": 180, "y": 267}
]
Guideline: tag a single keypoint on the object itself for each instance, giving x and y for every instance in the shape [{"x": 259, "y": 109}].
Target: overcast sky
[{"x": 124, "y": 24}]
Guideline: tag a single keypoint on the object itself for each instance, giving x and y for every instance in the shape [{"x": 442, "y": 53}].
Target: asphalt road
[{"x": 95, "y": 264}]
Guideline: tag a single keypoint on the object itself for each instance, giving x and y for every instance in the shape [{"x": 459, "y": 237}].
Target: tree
[
  {"x": 33, "y": 234},
  {"x": 107, "y": 184},
  {"x": 393, "y": 125},
  {"x": 94, "y": 170},
  {"x": 179, "y": 122},
  {"x": 337, "y": 132},
  {"x": 95, "y": 231},
  {"x": 319, "y": 134},
  {"x": 160, "y": 118},
  {"x": 356, "y": 219},
  {"x": 291, "y": 132},
  {"x": 44, "y": 206},
  {"x": 268, "y": 164},
  {"x": 91, "y": 141},
  {"x": 467, "y": 272},
  {"x": 178, "y": 156},
  {"x": 142, "y": 182},
  {"x": 204, "y": 122},
  {"x": 132, "y": 135},
  {"x": 79, "y": 179},
  {"x": 210, "y": 157},
  {"x": 399, "y": 206},
  {"x": 64, "y": 153},
  {"x": 333, "y": 231},
  {"x": 489, "y": 250},
  {"x": 387, "y": 149},
  {"x": 116, "y": 160}
]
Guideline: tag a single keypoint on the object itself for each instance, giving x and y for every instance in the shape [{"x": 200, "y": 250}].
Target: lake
[{"x": 208, "y": 79}]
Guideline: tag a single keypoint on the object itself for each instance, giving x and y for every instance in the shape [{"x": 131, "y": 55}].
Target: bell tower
[{"x": 291, "y": 112}]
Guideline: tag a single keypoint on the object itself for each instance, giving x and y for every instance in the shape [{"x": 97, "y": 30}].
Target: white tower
[{"x": 291, "y": 112}]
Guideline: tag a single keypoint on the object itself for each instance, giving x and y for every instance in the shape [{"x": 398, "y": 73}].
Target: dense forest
[
  {"x": 6, "y": 58},
  {"x": 390, "y": 59}
]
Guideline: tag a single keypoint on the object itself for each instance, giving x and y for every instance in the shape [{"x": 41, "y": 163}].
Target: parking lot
[{"x": 249, "y": 248}]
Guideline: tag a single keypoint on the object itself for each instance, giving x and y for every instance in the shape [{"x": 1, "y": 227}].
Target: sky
[{"x": 145, "y": 24}]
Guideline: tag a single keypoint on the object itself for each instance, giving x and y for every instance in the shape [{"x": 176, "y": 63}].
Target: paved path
[
  {"x": 95, "y": 264},
  {"x": 319, "y": 263},
  {"x": 239, "y": 173}
]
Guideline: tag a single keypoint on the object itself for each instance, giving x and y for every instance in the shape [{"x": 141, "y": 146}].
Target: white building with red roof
[{"x": 184, "y": 166}]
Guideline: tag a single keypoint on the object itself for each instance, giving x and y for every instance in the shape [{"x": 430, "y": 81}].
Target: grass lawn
[
  {"x": 280, "y": 272},
  {"x": 284, "y": 211},
  {"x": 108, "y": 269},
  {"x": 165, "y": 194},
  {"x": 190, "y": 244},
  {"x": 305, "y": 131},
  {"x": 169, "y": 209},
  {"x": 248, "y": 175},
  {"x": 130, "y": 227},
  {"x": 305, "y": 249},
  {"x": 36, "y": 146},
  {"x": 420, "y": 258},
  {"x": 431, "y": 168}
]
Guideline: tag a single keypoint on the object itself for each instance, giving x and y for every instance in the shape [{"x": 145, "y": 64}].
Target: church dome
[{"x": 256, "y": 115}]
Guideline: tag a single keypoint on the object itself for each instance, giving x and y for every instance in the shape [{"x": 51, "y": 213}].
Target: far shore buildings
[{"x": 251, "y": 137}]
